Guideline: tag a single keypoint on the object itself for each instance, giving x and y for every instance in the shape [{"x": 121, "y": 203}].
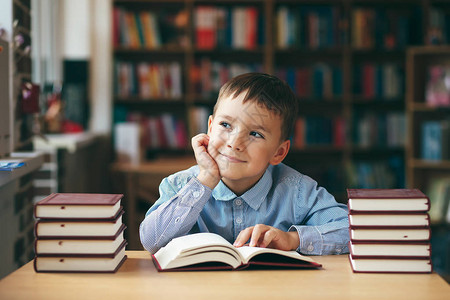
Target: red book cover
[
  {"x": 205, "y": 29},
  {"x": 252, "y": 27},
  {"x": 181, "y": 134},
  {"x": 116, "y": 27},
  {"x": 210, "y": 266},
  {"x": 299, "y": 138},
  {"x": 303, "y": 82},
  {"x": 163, "y": 139},
  {"x": 368, "y": 81},
  {"x": 385, "y": 193},
  {"x": 80, "y": 199},
  {"x": 209, "y": 251},
  {"x": 387, "y": 200},
  {"x": 339, "y": 132}
]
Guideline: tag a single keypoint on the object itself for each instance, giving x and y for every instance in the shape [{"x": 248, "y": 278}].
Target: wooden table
[{"x": 138, "y": 279}]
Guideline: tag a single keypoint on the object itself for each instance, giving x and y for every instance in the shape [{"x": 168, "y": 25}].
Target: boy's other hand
[
  {"x": 209, "y": 174},
  {"x": 264, "y": 236}
]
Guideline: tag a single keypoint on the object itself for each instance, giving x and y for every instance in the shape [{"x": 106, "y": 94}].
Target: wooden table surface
[{"x": 138, "y": 279}]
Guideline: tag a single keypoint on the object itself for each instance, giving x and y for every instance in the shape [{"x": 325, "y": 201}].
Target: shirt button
[
  {"x": 310, "y": 248},
  {"x": 196, "y": 194},
  {"x": 238, "y": 220},
  {"x": 338, "y": 250},
  {"x": 177, "y": 220},
  {"x": 238, "y": 202}
]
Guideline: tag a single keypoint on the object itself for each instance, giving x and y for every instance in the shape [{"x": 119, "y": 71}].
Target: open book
[{"x": 209, "y": 251}]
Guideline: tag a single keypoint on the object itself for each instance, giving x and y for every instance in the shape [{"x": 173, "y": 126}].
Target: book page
[
  {"x": 188, "y": 249},
  {"x": 249, "y": 252},
  {"x": 388, "y": 204}
]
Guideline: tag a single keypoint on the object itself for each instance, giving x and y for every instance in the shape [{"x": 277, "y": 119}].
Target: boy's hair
[{"x": 267, "y": 90}]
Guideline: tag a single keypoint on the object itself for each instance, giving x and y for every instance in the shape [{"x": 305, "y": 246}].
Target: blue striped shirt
[{"x": 282, "y": 198}]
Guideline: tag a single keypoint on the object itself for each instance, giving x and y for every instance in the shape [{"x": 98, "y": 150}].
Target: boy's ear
[
  {"x": 281, "y": 153},
  {"x": 210, "y": 119}
]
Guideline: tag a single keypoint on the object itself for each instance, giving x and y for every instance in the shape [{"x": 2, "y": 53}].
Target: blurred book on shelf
[
  {"x": 437, "y": 91},
  {"x": 236, "y": 27},
  {"x": 435, "y": 137},
  {"x": 148, "y": 80},
  {"x": 149, "y": 29}
]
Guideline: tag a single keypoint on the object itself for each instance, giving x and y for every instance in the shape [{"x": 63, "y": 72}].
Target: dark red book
[
  {"x": 78, "y": 205},
  {"x": 390, "y": 234},
  {"x": 84, "y": 263},
  {"x": 390, "y": 265},
  {"x": 46, "y": 228},
  {"x": 390, "y": 249},
  {"x": 388, "y": 220},
  {"x": 387, "y": 200},
  {"x": 94, "y": 245},
  {"x": 209, "y": 251}
]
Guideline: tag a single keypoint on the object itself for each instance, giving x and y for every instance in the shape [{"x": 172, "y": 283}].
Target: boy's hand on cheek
[
  {"x": 209, "y": 174},
  {"x": 267, "y": 236}
]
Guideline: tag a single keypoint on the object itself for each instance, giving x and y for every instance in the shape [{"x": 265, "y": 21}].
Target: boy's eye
[
  {"x": 256, "y": 134},
  {"x": 225, "y": 124}
]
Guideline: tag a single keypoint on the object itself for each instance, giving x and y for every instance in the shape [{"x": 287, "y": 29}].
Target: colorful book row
[
  {"x": 315, "y": 130},
  {"x": 380, "y": 130},
  {"x": 148, "y": 29},
  {"x": 310, "y": 26},
  {"x": 239, "y": 27},
  {"x": 208, "y": 76},
  {"x": 384, "y": 28},
  {"x": 388, "y": 173},
  {"x": 375, "y": 81},
  {"x": 165, "y": 131},
  {"x": 319, "y": 81},
  {"x": 148, "y": 80}
]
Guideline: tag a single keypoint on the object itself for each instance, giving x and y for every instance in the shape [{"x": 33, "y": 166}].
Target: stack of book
[
  {"x": 389, "y": 231},
  {"x": 79, "y": 233}
]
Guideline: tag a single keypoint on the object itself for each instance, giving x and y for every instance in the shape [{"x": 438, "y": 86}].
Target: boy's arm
[
  {"x": 175, "y": 213},
  {"x": 324, "y": 229}
]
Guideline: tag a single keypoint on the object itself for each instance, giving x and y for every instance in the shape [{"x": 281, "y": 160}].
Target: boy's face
[{"x": 244, "y": 140}]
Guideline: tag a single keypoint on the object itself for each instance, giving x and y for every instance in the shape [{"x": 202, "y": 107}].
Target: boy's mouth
[{"x": 232, "y": 159}]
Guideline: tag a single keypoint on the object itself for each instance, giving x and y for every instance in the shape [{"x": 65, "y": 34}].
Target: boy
[{"x": 239, "y": 188}]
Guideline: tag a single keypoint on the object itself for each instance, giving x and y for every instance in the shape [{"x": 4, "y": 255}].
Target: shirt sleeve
[
  {"x": 324, "y": 229},
  {"x": 174, "y": 214}
]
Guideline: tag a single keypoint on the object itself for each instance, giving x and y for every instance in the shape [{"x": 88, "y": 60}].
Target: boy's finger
[
  {"x": 258, "y": 230},
  {"x": 269, "y": 235},
  {"x": 243, "y": 236}
]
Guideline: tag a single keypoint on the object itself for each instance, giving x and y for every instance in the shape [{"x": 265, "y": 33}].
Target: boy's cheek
[{"x": 212, "y": 147}]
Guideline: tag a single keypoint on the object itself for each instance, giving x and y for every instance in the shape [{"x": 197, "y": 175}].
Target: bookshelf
[
  {"x": 424, "y": 167},
  {"x": 23, "y": 110},
  {"x": 427, "y": 153},
  {"x": 349, "y": 74},
  {"x": 17, "y": 115},
  {"x": 15, "y": 33}
]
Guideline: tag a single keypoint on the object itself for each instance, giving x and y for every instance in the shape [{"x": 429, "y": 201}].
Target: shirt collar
[{"x": 254, "y": 197}]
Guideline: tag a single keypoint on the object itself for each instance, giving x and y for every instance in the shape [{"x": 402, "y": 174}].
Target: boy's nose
[{"x": 236, "y": 141}]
